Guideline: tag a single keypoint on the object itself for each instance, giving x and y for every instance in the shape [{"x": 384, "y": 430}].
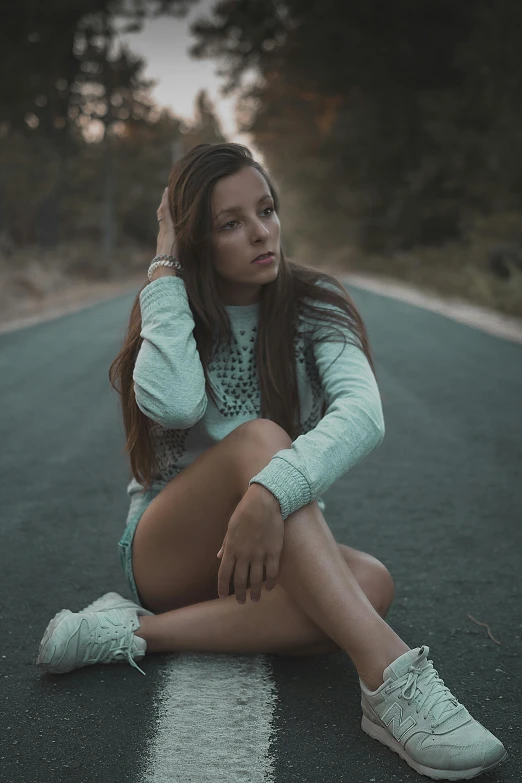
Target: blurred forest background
[{"x": 393, "y": 132}]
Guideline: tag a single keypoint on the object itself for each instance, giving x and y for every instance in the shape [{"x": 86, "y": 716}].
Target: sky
[{"x": 164, "y": 44}]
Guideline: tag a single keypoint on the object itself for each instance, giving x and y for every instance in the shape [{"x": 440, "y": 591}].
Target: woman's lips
[{"x": 267, "y": 260}]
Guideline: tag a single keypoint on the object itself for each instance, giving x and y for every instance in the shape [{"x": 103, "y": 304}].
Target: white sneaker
[
  {"x": 107, "y": 601},
  {"x": 84, "y": 638},
  {"x": 416, "y": 715}
]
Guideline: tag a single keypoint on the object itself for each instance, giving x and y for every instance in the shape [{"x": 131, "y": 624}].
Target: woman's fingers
[
  {"x": 272, "y": 569},
  {"x": 163, "y": 211},
  {"x": 225, "y": 575},
  {"x": 256, "y": 579},
  {"x": 159, "y": 211},
  {"x": 241, "y": 580},
  {"x": 220, "y": 553}
]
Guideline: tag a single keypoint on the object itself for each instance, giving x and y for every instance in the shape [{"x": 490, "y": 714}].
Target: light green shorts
[{"x": 138, "y": 505}]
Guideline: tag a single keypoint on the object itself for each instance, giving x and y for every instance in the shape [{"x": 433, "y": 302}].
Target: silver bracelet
[{"x": 163, "y": 260}]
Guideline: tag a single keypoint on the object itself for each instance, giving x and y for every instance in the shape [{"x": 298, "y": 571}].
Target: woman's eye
[{"x": 235, "y": 221}]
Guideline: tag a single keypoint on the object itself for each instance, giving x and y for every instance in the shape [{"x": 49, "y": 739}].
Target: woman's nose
[{"x": 259, "y": 230}]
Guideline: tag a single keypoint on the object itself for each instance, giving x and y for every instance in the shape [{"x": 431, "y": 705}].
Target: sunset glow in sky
[{"x": 164, "y": 44}]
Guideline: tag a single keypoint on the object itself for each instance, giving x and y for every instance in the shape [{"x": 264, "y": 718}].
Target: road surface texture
[{"x": 439, "y": 502}]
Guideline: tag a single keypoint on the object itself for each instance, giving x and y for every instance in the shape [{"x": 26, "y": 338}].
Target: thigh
[{"x": 175, "y": 546}]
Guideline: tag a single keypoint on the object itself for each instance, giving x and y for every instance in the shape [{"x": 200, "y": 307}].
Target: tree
[
  {"x": 377, "y": 115},
  {"x": 47, "y": 52}
]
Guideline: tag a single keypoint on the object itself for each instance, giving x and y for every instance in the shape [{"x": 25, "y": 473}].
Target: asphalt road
[{"x": 439, "y": 502}]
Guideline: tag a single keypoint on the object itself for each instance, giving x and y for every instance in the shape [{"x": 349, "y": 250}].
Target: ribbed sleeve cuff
[
  {"x": 287, "y": 483},
  {"x": 164, "y": 288}
]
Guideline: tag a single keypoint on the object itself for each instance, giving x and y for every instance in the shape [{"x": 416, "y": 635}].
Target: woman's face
[{"x": 241, "y": 234}]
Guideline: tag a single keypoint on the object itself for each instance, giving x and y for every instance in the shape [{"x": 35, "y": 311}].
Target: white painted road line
[
  {"x": 215, "y": 720},
  {"x": 489, "y": 321}
]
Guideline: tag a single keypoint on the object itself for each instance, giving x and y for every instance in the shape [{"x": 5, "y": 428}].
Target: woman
[{"x": 244, "y": 400}]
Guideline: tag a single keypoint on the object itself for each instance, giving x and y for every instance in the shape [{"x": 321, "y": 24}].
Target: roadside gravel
[
  {"x": 81, "y": 294},
  {"x": 75, "y": 296}
]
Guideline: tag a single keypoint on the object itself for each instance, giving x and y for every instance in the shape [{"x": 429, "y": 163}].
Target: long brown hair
[{"x": 283, "y": 303}]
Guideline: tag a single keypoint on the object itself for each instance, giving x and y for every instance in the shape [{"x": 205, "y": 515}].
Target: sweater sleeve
[
  {"x": 352, "y": 427},
  {"x": 169, "y": 383}
]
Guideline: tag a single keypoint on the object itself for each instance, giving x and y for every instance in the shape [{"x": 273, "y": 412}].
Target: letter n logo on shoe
[{"x": 393, "y": 720}]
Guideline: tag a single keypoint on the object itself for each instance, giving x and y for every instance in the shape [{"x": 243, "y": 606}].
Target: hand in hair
[
  {"x": 166, "y": 243},
  {"x": 254, "y": 538}
]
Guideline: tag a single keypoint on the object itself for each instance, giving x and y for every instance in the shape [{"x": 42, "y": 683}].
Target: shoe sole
[
  {"x": 379, "y": 733},
  {"x": 45, "y": 647},
  {"x": 116, "y": 601}
]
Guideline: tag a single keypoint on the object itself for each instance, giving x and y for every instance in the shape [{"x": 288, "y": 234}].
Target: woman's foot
[
  {"x": 106, "y": 601},
  {"x": 416, "y": 715},
  {"x": 84, "y": 638}
]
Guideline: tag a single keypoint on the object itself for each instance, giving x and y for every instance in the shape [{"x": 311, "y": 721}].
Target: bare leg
[
  {"x": 314, "y": 573},
  {"x": 318, "y": 581},
  {"x": 273, "y": 625},
  {"x": 176, "y": 541}
]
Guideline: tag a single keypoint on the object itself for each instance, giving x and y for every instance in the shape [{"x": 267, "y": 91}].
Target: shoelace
[
  {"x": 117, "y": 648},
  {"x": 435, "y": 694}
]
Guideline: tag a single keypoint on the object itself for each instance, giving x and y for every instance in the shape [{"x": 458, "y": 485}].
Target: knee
[
  {"x": 254, "y": 444},
  {"x": 264, "y": 431},
  {"x": 387, "y": 585},
  {"x": 380, "y": 582}
]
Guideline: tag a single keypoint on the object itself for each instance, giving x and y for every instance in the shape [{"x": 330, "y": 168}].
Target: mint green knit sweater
[{"x": 169, "y": 385}]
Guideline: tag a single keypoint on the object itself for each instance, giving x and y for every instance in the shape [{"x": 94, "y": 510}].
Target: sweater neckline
[{"x": 242, "y": 310}]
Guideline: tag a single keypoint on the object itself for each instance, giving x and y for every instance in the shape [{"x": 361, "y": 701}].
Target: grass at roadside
[
  {"x": 454, "y": 271},
  {"x": 33, "y": 281}
]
